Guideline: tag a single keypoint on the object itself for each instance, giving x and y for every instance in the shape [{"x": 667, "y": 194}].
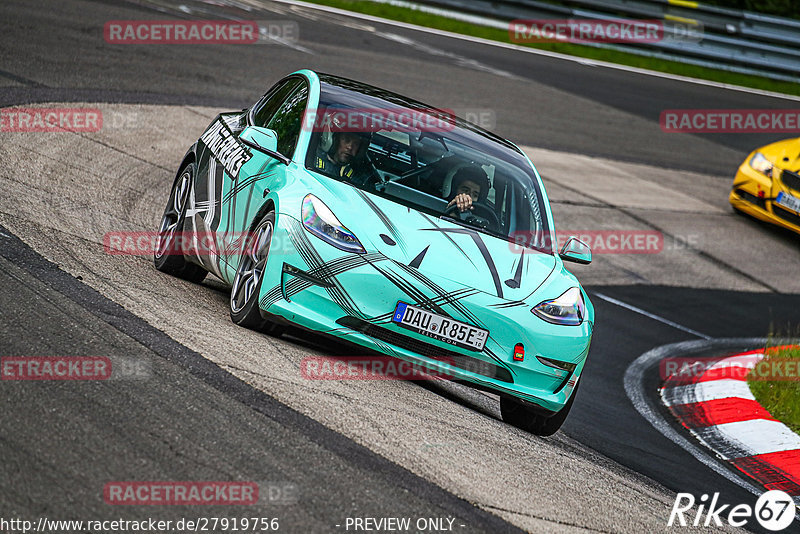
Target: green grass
[
  {"x": 412, "y": 16},
  {"x": 781, "y": 397}
]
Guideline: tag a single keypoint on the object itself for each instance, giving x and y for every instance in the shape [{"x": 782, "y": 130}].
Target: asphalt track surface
[{"x": 204, "y": 415}]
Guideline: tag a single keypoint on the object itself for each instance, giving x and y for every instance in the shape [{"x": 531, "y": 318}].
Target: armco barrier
[{"x": 735, "y": 40}]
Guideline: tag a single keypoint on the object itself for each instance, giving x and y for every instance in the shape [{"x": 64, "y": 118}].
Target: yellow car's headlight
[{"x": 760, "y": 163}]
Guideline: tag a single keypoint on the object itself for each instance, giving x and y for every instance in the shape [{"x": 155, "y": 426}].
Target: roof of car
[{"x": 354, "y": 86}]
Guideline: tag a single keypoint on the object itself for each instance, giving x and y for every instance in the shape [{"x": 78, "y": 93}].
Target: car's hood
[
  {"x": 439, "y": 248},
  {"x": 783, "y": 154}
]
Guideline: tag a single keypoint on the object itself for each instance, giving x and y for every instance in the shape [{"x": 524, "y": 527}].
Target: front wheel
[
  {"x": 249, "y": 276},
  {"x": 521, "y": 416}
]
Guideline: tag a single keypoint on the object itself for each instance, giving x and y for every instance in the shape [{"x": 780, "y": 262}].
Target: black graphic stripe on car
[{"x": 384, "y": 219}]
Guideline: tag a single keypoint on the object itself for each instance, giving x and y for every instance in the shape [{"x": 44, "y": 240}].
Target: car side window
[
  {"x": 288, "y": 119},
  {"x": 270, "y": 104}
]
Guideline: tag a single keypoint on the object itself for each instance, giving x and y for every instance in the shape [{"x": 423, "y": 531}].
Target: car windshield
[{"x": 421, "y": 157}]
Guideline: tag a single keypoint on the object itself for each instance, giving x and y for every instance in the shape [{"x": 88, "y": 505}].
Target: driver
[
  {"x": 346, "y": 157},
  {"x": 470, "y": 185}
]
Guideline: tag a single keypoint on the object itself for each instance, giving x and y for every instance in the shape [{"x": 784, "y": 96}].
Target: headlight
[
  {"x": 760, "y": 163},
  {"x": 320, "y": 221},
  {"x": 568, "y": 309}
]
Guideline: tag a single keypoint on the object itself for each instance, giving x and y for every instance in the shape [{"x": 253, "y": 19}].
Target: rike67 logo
[{"x": 774, "y": 511}]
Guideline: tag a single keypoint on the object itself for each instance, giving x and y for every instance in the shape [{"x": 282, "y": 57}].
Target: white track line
[
  {"x": 650, "y": 315},
  {"x": 556, "y": 55},
  {"x": 461, "y": 61}
]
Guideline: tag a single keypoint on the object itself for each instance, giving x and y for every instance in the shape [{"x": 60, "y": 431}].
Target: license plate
[
  {"x": 788, "y": 201},
  {"x": 438, "y": 327}
]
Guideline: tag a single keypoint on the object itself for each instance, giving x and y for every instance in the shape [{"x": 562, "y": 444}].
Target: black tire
[
  {"x": 521, "y": 416},
  {"x": 167, "y": 258},
  {"x": 249, "y": 276}
]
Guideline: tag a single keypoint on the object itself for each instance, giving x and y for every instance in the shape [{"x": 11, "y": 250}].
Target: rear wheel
[
  {"x": 522, "y": 416},
  {"x": 168, "y": 257},
  {"x": 249, "y": 276}
]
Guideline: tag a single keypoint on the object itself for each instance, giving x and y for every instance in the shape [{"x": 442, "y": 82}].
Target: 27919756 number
[{"x": 237, "y": 524}]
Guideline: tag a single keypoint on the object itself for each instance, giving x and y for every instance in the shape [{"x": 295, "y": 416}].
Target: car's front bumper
[
  {"x": 753, "y": 193},
  {"x": 353, "y": 297}
]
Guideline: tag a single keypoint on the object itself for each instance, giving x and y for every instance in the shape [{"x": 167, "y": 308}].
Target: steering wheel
[{"x": 485, "y": 215}]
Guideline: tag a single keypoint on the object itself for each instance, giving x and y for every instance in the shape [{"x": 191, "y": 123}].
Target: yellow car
[{"x": 767, "y": 184}]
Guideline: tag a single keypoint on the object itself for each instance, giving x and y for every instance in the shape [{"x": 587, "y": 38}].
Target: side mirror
[
  {"x": 576, "y": 251},
  {"x": 264, "y": 140}
]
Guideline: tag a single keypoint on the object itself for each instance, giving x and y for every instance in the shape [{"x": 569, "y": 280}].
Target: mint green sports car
[{"x": 355, "y": 212}]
